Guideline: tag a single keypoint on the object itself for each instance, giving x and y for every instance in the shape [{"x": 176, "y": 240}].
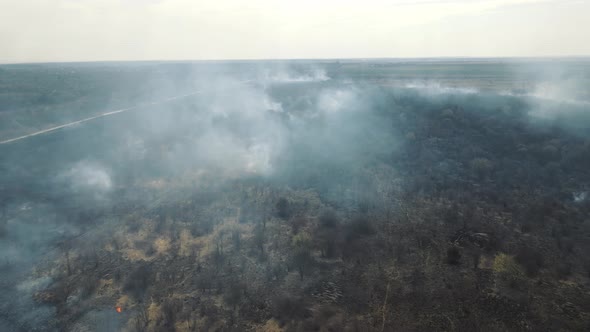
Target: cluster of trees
[{"x": 470, "y": 224}]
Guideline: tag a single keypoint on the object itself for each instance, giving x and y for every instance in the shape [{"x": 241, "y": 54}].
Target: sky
[{"x": 117, "y": 30}]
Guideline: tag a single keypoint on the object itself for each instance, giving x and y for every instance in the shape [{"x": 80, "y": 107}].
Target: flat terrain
[{"x": 377, "y": 195}]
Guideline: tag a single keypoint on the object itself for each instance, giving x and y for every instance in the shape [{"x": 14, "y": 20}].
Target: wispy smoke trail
[{"x": 48, "y": 130}]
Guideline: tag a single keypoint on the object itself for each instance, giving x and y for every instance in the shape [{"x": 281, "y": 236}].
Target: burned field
[{"x": 333, "y": 196}]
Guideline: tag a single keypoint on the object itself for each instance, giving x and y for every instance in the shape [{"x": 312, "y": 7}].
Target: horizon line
[{"x": 540, "y": 57}]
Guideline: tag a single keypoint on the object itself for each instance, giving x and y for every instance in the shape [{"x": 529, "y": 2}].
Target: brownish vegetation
[{"x": 481, "y": 246}]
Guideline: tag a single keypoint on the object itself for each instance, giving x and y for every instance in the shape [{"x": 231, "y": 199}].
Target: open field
[{"x": 376, "y": 195}]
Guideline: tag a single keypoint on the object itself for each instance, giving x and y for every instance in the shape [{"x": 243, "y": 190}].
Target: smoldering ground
[{"x": 288, "y": 126}]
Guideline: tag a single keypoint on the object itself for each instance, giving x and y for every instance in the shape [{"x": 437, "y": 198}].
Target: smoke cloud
[{"x": 302, "y": 126}]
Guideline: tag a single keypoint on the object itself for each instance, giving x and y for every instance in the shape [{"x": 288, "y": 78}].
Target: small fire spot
[{"x": 119, "y": 309}]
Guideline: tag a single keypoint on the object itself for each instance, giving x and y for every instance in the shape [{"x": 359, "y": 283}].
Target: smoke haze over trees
[{"x": 296, "y": 195}]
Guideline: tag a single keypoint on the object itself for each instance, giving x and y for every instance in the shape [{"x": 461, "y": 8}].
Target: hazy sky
[{"x": 85, "y": 30}]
